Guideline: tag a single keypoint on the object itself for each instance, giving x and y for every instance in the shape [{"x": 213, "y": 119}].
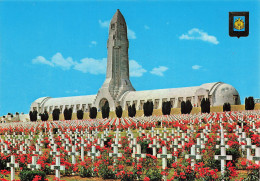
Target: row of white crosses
[{"x": 158, "y": 135}]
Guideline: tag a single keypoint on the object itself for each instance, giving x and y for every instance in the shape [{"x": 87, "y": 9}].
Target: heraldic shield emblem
[{"x": 238, "y": 24}]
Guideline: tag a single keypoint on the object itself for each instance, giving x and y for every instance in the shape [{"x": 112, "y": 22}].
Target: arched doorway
[{"x": 102, "y": 103}]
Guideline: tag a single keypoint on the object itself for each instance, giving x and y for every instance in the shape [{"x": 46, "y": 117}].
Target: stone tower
[{"x": 117, "y": 77}]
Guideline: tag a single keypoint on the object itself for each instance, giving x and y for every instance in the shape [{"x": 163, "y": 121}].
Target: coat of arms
[{"x": 238, "y": 24}]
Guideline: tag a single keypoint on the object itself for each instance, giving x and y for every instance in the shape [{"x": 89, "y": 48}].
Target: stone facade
[{"x": 118, "y": 90}]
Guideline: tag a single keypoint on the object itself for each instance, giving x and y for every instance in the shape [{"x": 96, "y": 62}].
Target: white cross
[
  {"x": 193, "y": 156},
  {"x": 165, "y": 130},
  {"x": 140, "y": 131},
  {"x": 154, "y": 145},
  {"x": 172, "y": 134},
  {"x": 73, "y": 153},
  {"x": 138, "y": 153},
  {"x": 253, "y": 129},
  {"x": 93, "y": 153},
  {"x": 37, "y": 150},
  {"x": 242, "y": 138},
  {"x": 165, "y": 137},
  {"x": 236, "y": 130},
  {"x": 39, "y": 142},
  {"x": 223, "y": 157},
  {"x": 164, "y": 157},
  {"x": 206, "y": 130},
  {"x": 199, "y": 145},
  {"x": 116, "y": 143},
  {"x": 21, "y": 151},
  {"x": 256, "y": 158},
  {"x": 133, "y": 145},
  {"x": 34, "y": 164},
  {"x": 82, "y": 145},
  {"x": 183, "y": 139},
  {"x": 115, "y": 151},
  {"x": 12, "y": 165},
  {"x": 203, "y": 139},
  {"x": 5, "y": 150},
  {"x": 57, "y": 167},
  {"x": 66, "y": 144},
  {"x": 55, "y": 152},
  {"x": 129, "y": 132},
  {"x": 158, "y": 134},
  {"x": 248, "y": 147},
  {"x": 178, "y": 131},
  {"x": 102, "y": 140},
  {"x": 75, "y": 139},
  {"x": 175, "y": 147},
  {"x": 106, "y": 132}
]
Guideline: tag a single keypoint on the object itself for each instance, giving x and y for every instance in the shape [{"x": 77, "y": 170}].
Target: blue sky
[{"x": 58, "y": 48}]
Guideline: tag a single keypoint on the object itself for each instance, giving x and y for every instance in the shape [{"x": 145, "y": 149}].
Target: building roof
[
  {"x": 89, "y": 99},
  {"x": 164, "y": 93}
]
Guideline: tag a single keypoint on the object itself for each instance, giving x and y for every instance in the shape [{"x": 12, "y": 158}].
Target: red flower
[{"x": 146, "y": 179}]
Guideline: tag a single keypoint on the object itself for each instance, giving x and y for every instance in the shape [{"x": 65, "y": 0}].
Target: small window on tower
[{"x": 113, "y": 26}]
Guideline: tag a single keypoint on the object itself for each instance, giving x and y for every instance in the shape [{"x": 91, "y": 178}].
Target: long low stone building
[{"x": 118, "y": 90}]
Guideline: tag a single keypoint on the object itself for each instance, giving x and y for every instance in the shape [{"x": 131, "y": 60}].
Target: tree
[
  {"x": 249, "y": 103},
  {"x": 246, "y": 103},
  {"x": 33, "y": 115},
  {"x": 183, "y": 107},
  {"x": 226, "y": 107},
  {"x": 188, "y": 106},
  {"x": 93, "y": 113},
  {"x": 166, "y": 108},
  {"x": 67, "y": 113},
  {"x": 105, "y": 110},
  {"x": 80, "y": 114},
  {"x": 148, "y": 108},
  {"x": 119, "y": 111},
  {"x": 131, "y": 110},
  {"x": 56, "y": 114},
  {"x": 44, "y": 116},
  {"x": 205, "y": 105}
]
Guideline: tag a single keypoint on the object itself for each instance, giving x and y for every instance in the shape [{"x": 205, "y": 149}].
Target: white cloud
[
  {"x": 159, "y": 70},
  {"x": 56, "y": 61},
  {"x": 86, "y": 65},
  {"x": 42, "y": 60},
  {"x": 136, "y": 70},
  {"x": 196, "y": 67},
  {"x": 146, "y": 27},
  {"x": 104, "y": 24},
  {"x": 196, "y": 34},
  {"x": 92, "y": 66},
  {"x": 93, "y": 43},
  {"x": 131, "y": 34},
  {"x": 59, "y": 61}
]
